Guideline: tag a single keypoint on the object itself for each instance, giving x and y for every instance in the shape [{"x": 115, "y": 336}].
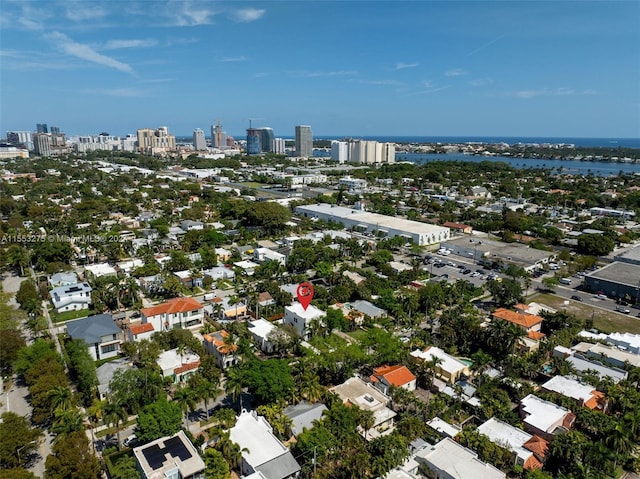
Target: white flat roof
[
  {"x": 457, "y": 461},
  {"x": 310, "y": 313},
  {"x": 570, "y": 388},
  {"x": 448, "y": 363},
  {"x": 254, "y": 433},
  {"x": 261, "y": 327},
  {"x": 542, "y": 414},
  {"x": 373, "y": 219},
  {"x": 506, "y": 436},
  {"x": 444, "y": 427}
]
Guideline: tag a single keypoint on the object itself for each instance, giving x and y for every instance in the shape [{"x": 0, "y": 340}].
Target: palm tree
[
  {"x": 620, "y": 442},
  {"x": 186, "y": 398},
  {"x": 61, "y": 399},
  {"x": 234, "y": 384},
  {"x": 367, "y": 420},
  {"x": 66, "y": 421},
  {"x": 115, "y": 415},
  {"x": 95, "y": 412},
  {"x": 230, "y": 450}
]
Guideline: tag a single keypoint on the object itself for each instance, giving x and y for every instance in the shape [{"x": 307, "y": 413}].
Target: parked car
[
  {"x": 576, "y": 298},
  {"x": 130, "y": 441},
  {"x": 623, "y": 309}
]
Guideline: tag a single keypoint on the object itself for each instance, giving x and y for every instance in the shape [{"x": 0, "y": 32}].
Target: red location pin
[{"x": 305, "y": 294}]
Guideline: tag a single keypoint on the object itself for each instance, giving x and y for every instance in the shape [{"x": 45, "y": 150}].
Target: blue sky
[{"x": 505, "y": 68}]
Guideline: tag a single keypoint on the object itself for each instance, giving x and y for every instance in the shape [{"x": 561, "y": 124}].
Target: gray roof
[
  {"x": 106, "y": 371},
  {"x": 279, "y": 467},
  {"x": 302, "y": 415},
  {"x": 92, "y": 328},
  {"x": 367, "y": 308},
  {"x": 618, "y": 272}
]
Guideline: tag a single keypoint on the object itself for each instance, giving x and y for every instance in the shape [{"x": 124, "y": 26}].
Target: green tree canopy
[{"x": 160, "y": 418}]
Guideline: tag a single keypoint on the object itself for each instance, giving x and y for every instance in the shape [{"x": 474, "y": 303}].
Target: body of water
[
  {"x": 597, "y": 168},
  {"x": 595, "y": 142}
]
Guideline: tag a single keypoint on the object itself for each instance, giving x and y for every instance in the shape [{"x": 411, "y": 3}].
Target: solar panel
[
  {"x": 176, "y": 448},
  {"x": 154, "y": 456}
]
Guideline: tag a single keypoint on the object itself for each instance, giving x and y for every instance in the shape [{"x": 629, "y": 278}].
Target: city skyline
[{"x": 554, "y": 69}]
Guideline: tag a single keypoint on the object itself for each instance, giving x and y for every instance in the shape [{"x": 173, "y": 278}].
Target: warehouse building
[
  {"x": 382, "y": 226},
  {"x": 616, "y": 280}
]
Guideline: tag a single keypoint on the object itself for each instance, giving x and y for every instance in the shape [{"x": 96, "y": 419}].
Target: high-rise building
[
  {"x": 20, "y": 138},
  {"x": 158, "y": 141},
  {"x": 55, "y": 130},
  {"x": 278, "y": 146},
  {"x": 42, "y": 128},
  {"x": 199, "y": 141},
  {"x": 254, "y": 141},
  {"x": 42, "y": 144},
  {"x": 371, "y": 152},
  {"x": 340, "y": 151},
  {"x": 304, "y": 141},
  {"x": 266, "y": 139},
  {"x": 218, "y": 136}
]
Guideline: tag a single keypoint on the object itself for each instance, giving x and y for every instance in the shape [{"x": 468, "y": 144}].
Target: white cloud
[
  {"x": 326, "y": 74},
  {"x": 427, "y": 83},
  {"x": 456, "y": 72},
  {"x": 188, "y": 14},
  {"x": 429, "y": 90},
  {"x": 120, "y": 92},
  {"x": 529, "y": 93},
  {"x": 142, "y": 43},
  {"x": 241, "y": 58},
  {"x": 402, "y": 66},
  {"x": 248, "y": 14},
  {"x": 85, "y": 52},
  {"x": 561, "y": 91},
  {"x": 79, "y": 12},
  {"x": 383, "y": 82}
]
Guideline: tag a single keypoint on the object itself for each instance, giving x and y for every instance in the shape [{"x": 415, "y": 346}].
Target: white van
[{"x": 565, "y": 280}]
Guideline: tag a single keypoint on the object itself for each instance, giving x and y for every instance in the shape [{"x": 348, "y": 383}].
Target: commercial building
[
  {"x": 254, "y": 141},
  {"x": 20, "y": 139},
  {"x": 169, "y": 457},
  {"x": 616, "y": 280},
  {"x": 490, "y": 252},
  {"x": 42, "y": 144},
  {"x": 382, "y": 226},
  {"x": 304, "y": 141},
  {"x": 42, "y": 128},
  {"x": 266, "y": 139},
  {"x": 155, "y": 141},
  {"x": 218, "y": 136},
  {"x": 631, "y": 256},
  {"x": 199, "y": 141}
]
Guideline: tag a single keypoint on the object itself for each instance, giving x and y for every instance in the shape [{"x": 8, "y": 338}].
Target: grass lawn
[
  {"x": 68, "y": 315},
  {"x": 358, "y": 334},
  {"x": 605, "y": 321}
]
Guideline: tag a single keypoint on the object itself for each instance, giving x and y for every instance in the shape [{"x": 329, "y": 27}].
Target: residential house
[
  {"x": 529, "y": 453},
  {"x": 188, "y": 279},
  {"x": 178, "y": 365},
  {"x": 224, "y": 309},
  {"x": 247, "y": 267},
  {"x": 100, "y": 269},
  {"x": 63, "y": 279},
  {"x": 75, "y": 297},
  {"x": 100, "y": 332},
  {"x": 352, "y": 315},
  {"x": 139, "y": 331},
  {"x": 188, "y": 225},
  {"x": 219, "y": 272},
  {"x": 584, "y": 394},
  {"x": 175, "y": 313},
  {"x": 398, "y": 376},
  {"x": 303, "y": 415},
  {"x": 581, "y": 364},
  {"x": 458, "y": 227},
  {"x": 303, "y": 319},
  {"x": 173, "y": 457},
  {"x": 260, "y": 330},
  {"x": 358, "y": 393},
  {"x": 522, "y": 319},
  {"x": 368, "y": 309},
  {"x": 265, "y": 299},
  {"x": 608, "y": 354},
  {"x": 449, "y": 460},
  {"x": 446, "y": 367},
  {"x": 261, "y": 450},
  {"x": 217, "y": 344},
  {"x": 544, "y": 418},
  {"x": 105, "y": 373},
  {"x": 265, "y": 254},
  {"x": 443, "y": 427}
]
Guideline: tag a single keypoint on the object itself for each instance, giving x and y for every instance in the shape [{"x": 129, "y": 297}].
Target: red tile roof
[
  {"x": 524, "y": 320},
  {"x": 187, "y": 367},
  {"x": 397, "y": 376},
  {"x": 532, "y": 463},
  {"x": 217, "y": 339},
  {"x": 176, "y": 305},
  {"x": 537, "y": 335},
  {"x": 596, "y": 401},
  {"x": 538, "y": 446},
  {"x": 140, "y": 328}
]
